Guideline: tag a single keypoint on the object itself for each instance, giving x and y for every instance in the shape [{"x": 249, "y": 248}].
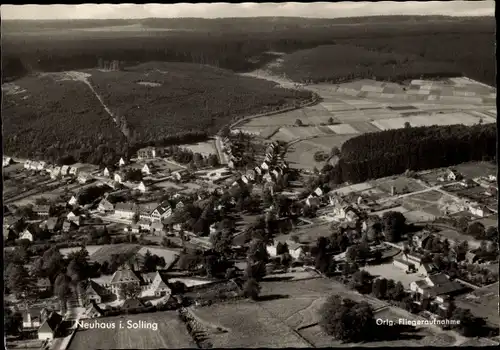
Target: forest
[
  {"x": 392, "y": 152},
  {"x": 244, "y": 45}
]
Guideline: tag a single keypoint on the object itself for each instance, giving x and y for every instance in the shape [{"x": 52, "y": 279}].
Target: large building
[
  {"x": 147, "y": 153},
  {"x": 126, "y": 210}
]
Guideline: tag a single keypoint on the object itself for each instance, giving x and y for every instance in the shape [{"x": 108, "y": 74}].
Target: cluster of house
[
  {"x": 6, "y": 161},
  {"x": 82, "y": 172}
]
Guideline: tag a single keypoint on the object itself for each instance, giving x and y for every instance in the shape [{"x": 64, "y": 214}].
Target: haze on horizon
[{"x": 221, "y": 10}]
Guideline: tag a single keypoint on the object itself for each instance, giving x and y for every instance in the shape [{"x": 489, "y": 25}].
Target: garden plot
[
  {"x": 91, "y": 249},
  {"x": 170, "y": 256},
  {"x": 418, "y": 216},
  {"x": 364, "y": 127},
  {"x": 343, "y": 191},
  {"x": 106, "y": 251}
]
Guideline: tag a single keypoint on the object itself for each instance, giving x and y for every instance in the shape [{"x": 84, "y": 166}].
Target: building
[
  {"x": 453, "y": 175},
  {"x": 141, "y": 187},
  {"x": 404, "y": 264},
  {"x": 26, "y": 234},
  {"x": 106, "y": 172},
  {"x": 479, "y": 210},
  {"x": 245, "y": 179},
  {"x": 251, "y": 175},
  {"x": 265, "y": 166},
  {"x": 313, "y": 201},
  {"x": 467, "y": 183},
  {"x": 126, "y": 210},
  {"x": 180, "y": 175},
  {"x": 420, "y": 239},
  {"x": 65, "y": 170},
  {"x": 49, "y": 328},
  {"x": 157, "y": 228},
  {"x": 146, "y": 169},
  {"x": 144, "y": 225},
  {"x": 267, "y": 178},
  {"x": 41, "y": 210},
  {"x": 119, "y": 177},
  {"x": 83, "y": 178},
  {"x": 96, "y": 293},
  {"x": 68, "y": 226},
  {"x": 492, "y": 177},
  {"x": 105, "y": 206},
  {"x": 147, "y": 153},
  {"x": 258, "y": 171},
  {"x": 132, "y": 304},
  {"x": 6, "y": 161},
  {"x": 294, "y": 249},
  {"x": 427, "y": 269},
  {"x": 159, "y": 287},
  {"x": 53, "y": 224},
  {"x": 93, "y": 311},
  {"x": 121, "y": 162},
  {"x": 31, "y": 319},
  {"x": 121, "y": 277},
  {"x": 163, "y": 211},
  {"x": 56, "y": 172},
  {"x": 437, "y": 286}
]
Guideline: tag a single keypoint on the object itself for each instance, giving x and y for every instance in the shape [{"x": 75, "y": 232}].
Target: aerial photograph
[{"x": 250, "y": 175}]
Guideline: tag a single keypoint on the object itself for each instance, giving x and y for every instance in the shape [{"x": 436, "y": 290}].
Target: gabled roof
[
  {"x": 96, "y": 289},
  {"x": 124, "y": 275},
  {"x": 163, "y": 207},
  {"x": 93, "y": 307},
  {"x": 51, "y": 323},
  {"x": 159, "y": 282},
  {"x": 439, "y": 279}
]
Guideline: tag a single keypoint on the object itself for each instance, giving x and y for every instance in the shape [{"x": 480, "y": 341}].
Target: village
[{"x": 152, "y": 235}]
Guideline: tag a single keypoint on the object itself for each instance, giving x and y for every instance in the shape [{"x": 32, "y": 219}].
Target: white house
[
  {"x": 29, "y": 321},
  {"x": 27, "y": 164},
  {"x": 452, "y": 175},
  {"x": 265, "y": 165},
  {"x": 119, "y": 177},
  {"x": 313, "y": 201},
  {"x": 106, "y": 172},
  {"x": 245, "y": 179},
  {"x": 56, "y": 172},
  {"x": 73, "y": 201},
  {"x": 126, "y": 210},
  {"x": 121, "y": 162},
  {"x": 83, "y": 178},
  {"x": 105, "y": 206},
  {"x": 48, "y": 329},
  {"x": 26, "y": 234},
  {"x": 141, "y": 187},
  {"x": 64, "y": 170},
  {"x": 146, "y": 169},
  {"x": 319, "y": 192},
  {"x": 41, "y": 165},
  {"x": 492, "y": 177},
  {"x": 294, "y": 249},
  {"x": 479, "y": 210},
  {"x": 6, "y": 161},
  {"x": 161, "y": 212},
  {"x": 258, "y": 170},
  {"x": 73, "y": 171}
]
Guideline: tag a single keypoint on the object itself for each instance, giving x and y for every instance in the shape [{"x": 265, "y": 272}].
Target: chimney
[{"x": 393, "y": 191}]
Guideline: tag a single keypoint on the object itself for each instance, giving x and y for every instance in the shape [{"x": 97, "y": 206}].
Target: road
[
  {"x": 428, "y": 189},
  {"x": 219, "y": 145}
]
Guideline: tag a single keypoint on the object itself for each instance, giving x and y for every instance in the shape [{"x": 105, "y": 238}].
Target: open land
[
  {"x": 482, "y": 302},
  {"x": 171, "y": 333}
]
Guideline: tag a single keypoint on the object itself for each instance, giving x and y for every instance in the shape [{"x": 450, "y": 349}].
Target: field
[
  {"x": 90, "y": 248},
  {"x": 171, "y": 333},
  {"x": 105, "y": 251},
  {"x": 301, "y": 154},
  {"x": 390, "y": 271},
  {"x": 431, "y": 202},
  {"x": 170, "y": 256},
  {"x": 436, "y": 119},
  {"x": 482, "y": 302},
  {"x": 203, "y": 148},
  {"x": 401, "y": 185}
]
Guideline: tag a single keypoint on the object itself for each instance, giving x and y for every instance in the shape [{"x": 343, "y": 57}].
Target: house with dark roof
[
  {"x": 50, "y": 327},
  {"x": 126, "y": 210},
  {"x": 96, "y": 293},
  {"x": 53, "y": 224},
  {"x": 158, "y": 286},
  {"x": 93, "y": 310},
  {"x": 438, "y": 287},
  {"x": 105, "y": 206},
  {"x": 121, "y": 277},
  {"x": 41, "y": 210},
  {"x": 427, "y": 269},
  {"x": 163, "y": 211},
  {"x": 31, "y": 319}
]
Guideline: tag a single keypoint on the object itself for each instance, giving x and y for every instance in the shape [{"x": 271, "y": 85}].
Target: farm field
[
  {"x": 248, "y": 325},
  {"x": 105, "y": 252},
  {"x": 433, "y": 203},
  {"x": 90, "y": 248},
  {"x": 301, "y": 154},
  {"x": 435, "y": 119},
  {"x": 171, "y": 333},
  {"x": 482, "y": 302},
  {"x": 401, "y": 185}
]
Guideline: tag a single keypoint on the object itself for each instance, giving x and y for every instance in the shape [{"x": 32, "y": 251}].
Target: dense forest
[
  {"x": 391, "y": 152},
  {"x": 245, "y": 44},
  {"x": 58, "y": 120}
]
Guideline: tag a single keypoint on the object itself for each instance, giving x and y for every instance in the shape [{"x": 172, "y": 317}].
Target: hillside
[
  {"x": 51, "y": 115},
  {"x": 240, "y": 44},
  {"x": 395, "y": 58}
]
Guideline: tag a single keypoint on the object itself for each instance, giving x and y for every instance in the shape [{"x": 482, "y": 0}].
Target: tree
[
  {"x": 18, "y": 280},
  {"x": 257, "y": 251},
  {"x": 331, "y": 121},
  {"x": 298, "y": 122},
  {"x": 492, "y": 233},
  {"x": 335, "y": 152},
  {"x": 346, "y": 320},
  {"x": 222, "y": 241},
  {"x": 251, "y": 289},
  {"x": 462, "y": 223},
  {"x": 13, "y": 322},
  {"x": 130, "y": 291},
  {"x": 394, "y": 224},
  {"x": 379, "y": 288},
  {"x": 476, "y": 230},
  {"x": 361, "y": 281},
  {"x": 407, "y": 125},
  {"x": 398, "y": 292}
]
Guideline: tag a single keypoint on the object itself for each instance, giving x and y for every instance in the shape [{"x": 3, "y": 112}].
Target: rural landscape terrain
[{"x": 250, "y": 182}]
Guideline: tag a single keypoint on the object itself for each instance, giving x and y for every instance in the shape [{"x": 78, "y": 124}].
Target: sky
[{"x": 215, "y": 10}]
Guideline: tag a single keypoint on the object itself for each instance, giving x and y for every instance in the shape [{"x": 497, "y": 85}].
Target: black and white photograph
[{"x": 250, "y": 175}]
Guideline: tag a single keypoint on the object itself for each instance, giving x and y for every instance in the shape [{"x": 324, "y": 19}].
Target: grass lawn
[
  {"x": 171, "y": 333},
  {"x": 105, "y": 252}
]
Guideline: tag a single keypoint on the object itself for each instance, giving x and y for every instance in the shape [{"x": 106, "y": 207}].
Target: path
[{"x": 428, "y": 189}]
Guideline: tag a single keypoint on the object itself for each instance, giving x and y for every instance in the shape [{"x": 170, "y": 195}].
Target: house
[
  {"x": 479, "y": 210},
  {"x": 471, "y": 257},
  {"x": 106, "y": 172},
  {"x": 123, "y": 276},
  {"x": 144, "y": 224},
  {"x": 179, "y": 205},
  {"x": 73, "y": 201},
  {"x": 453, "y": 175},
  {"x": 345, "y": 212},
  {"x": 265, "y": 165},
  {"x": 157, "y": 228},
  {"x": 96, "y": 293},
  {"x": 492, "y": 177},
  {"x": 53, "y": 224},
  {"x": 105, "y": 206},
  {"x": 141, "y": 187},
  {"x": 73, "y": 171},
  {"x": 93, "y": 310},
  {"x": 68, "y": 226},
  {"x": 49, "y": 328},
  {"x": 145, "y": 211},
  {"x": 467, "y": 183},
  {"x": 126, "y": 210},
  {"x": 121, "y": 162},
  {"x": 313, "y": 201},
  {"x": 437, "y": 286},
  {"x": 258, "y": 171},
  {"x": 294, "y": 249},
  {"x": 267, "y": 177},
  {"x": 26, "y": 234},
  {"x": 43, "y": 284},
  {"x": 275, "y": 173},
  {"x": 163, "y": 211},
  {"x": 147, "y": 153},
  {"x": 352, "y": 216},
  {"x": 245, "y": 179},
  {"x": 119, "y": 177},
  {"x": 318, "y": 192},
  {"x": 427, "y": 269},
  {"x": 41, "y": 210},
  {"x": 146, "y": 169},
  {"x": 159, "y": 286},
  {"x": 56, "y": 172},
  {"x": 64, "y": 170},
  {"x": 135, "y": 228},
  {"x": 6, "y": 161},
  {"x": 31, "y": 319},
  {"x": 251, "y": 175},
  {"x": 83, "y": 178},
  {"x": 180, "y": 174},
  {"x": 420, "y": 239}
]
